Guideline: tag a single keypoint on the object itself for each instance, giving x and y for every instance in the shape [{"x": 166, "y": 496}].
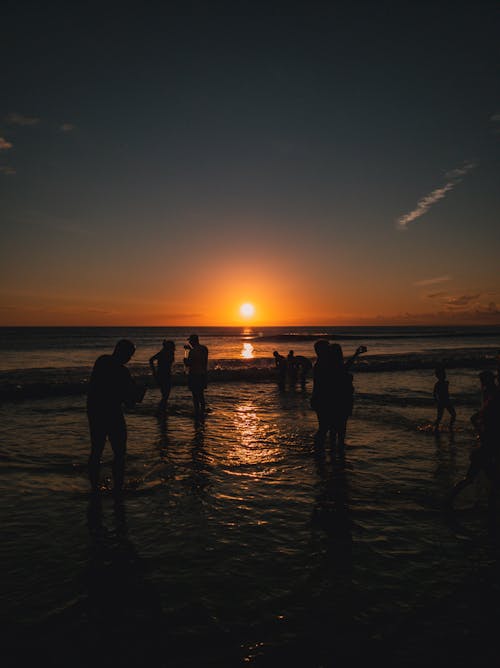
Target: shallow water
[{"x": 237, "y": 538}]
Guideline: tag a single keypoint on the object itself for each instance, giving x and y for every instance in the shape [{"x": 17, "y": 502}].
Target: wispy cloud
[
  {"x": 67, "y": 127},
  {"x": 433, "y": 281},
  {"x": 454, "y": 177},
  {"x": 4, "y": 144},
  {"x": 436, "y": 295},
  {"x": 463, "y": 301},
  {"x": 7, "y": 169},
  {"x": 19, "y": 119}
]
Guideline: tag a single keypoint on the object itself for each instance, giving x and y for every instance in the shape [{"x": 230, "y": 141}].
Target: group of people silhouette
[
  {"x": 292, "y": 368},
  {"x": 111, "y": 387}
]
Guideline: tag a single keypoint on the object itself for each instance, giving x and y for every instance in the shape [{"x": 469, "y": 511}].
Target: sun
[{"x": 247, "y": 310}]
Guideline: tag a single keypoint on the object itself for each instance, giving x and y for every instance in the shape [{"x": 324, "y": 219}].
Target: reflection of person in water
[
  {"x": 197, "y": 364},
  {"x": 281, "y": 366},
  {"x": 332, "y": 396},
  {"x": 110, "y": 387},
  {"x": 332, "y": 525},
  {"x": 120, "y": 602},
  {"x": 162, "y": 370},
  {"x": 486, "y": 455}
]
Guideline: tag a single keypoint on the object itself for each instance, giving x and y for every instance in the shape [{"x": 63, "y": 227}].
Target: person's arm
[
  {"x": 133, "y": 393},
  {"x": 152, "y": 361},
  {"x": 351, "y": 360}
]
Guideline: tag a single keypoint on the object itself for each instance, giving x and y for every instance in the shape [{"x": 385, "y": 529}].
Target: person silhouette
[
  {"x": 162, "y": 371},
  {"x": 485, "y": 456},
  {"x": 281, "y": 366},
  {"x": 196, "y": 360},
  {"x": 110, "y": 386},
  {"x": 292, "y": 369},
  {"x": 332, "y": 395},
  {"x": 442, "y": 397},
  {"x": 304, "y": 366}
]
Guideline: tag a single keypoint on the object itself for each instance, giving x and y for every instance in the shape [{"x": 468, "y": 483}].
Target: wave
[
  {"x": 362, "y": 336},
  {"x": 38, "y": 383}
]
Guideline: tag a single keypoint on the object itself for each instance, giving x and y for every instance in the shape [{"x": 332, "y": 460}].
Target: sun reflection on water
[
  {"x": 247, "y": 351},
  {"x": 255, "y": 442}
]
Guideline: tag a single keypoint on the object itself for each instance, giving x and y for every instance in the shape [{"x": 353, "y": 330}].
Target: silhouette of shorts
[
  {"x": 111, "y": 426},
  {"x": 197, "y": 382}
]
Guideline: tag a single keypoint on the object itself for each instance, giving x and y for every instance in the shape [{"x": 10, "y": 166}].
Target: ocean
[{"x": 237, "y": 542}]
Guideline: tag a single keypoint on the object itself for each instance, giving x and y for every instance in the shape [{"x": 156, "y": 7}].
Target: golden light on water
[
  {"x": 247, "y": 310},
  {"x": 247, "y": 351}
]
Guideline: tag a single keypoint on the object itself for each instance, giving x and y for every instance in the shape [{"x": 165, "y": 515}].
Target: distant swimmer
[
  {"x": 292, "y": 369},
  {"x": 161, "y": 367},
  {"x": 486, "y": 455},
  {"x": 442, "y": 397},
  {"x": 281, "y": 367},
  {"x": 196, "y": 360},
  {"x": 304, "y": 366},
  {"x": 110, "y": 387}
]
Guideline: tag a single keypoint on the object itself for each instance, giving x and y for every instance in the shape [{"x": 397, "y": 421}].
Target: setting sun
[{"x": 247, "y": 310}]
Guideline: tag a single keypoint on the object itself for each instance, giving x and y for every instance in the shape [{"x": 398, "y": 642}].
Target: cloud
[
  {"x": 67, "y": 127},
  {"x": 453, "y": 177},
  {"x": 18, "y": 119},
  {"x": 436, "y": 295},
  {"x": 433, "y": 281},
  {"x": 6, "y": 169},
  {"x": 463, "y": 301},
  {"x": 4, "y": 144}
]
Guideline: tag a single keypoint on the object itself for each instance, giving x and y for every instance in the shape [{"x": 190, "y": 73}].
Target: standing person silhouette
[
  {"x": 162, "y": 371},
  {"x": 304, "y": 367},
  {"x": 197, "y": 364},
  {"x": 442, "y": 397},
  {"x": 485, "y": 456},
  {"x": 332, "y": 396},
  {"x": 110, "y": 387},
  {"x": 281, "y": 366},
  {"x": 292, "y": 369}
]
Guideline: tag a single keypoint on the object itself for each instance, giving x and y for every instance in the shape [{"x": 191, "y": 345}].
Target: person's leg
[
  {"x": 453, "y": 414},
  {"x": 118, "y": 440},
  {"x": 341, "y": 430},
  {"x": 323, "y": 426},
  {"x": 472, "y": 472},
  {"x": 97, "y": 440},
  {"x": 165, "y": 393},
  {"x": 440, "y": 410}
]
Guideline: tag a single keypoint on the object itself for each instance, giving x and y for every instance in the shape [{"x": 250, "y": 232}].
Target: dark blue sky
[{"x": 154, "y": 153}]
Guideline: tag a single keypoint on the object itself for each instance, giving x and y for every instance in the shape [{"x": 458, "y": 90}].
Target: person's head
[
  {"x": 290, "y": 353},
  {"x": 124, "y": 350},
  {"x": 487, "y": 380},
  {"x": 321, "y": 347},
  {"x": 440, "y": 372},
  {"x": 194, "y": 339},
  {"x": 169, "y": 345},
  {"x": 276, "y": 353},
  {"x": 336, "y": 355}
]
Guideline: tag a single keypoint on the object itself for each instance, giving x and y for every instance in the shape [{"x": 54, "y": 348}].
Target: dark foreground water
[{"x": 237, "y": 542}]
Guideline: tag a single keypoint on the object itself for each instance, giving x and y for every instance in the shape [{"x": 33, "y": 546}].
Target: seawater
[{"x": 238, "y": 542}]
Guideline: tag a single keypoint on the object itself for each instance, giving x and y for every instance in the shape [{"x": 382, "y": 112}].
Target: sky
[{"x": 327, "y": 162}]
